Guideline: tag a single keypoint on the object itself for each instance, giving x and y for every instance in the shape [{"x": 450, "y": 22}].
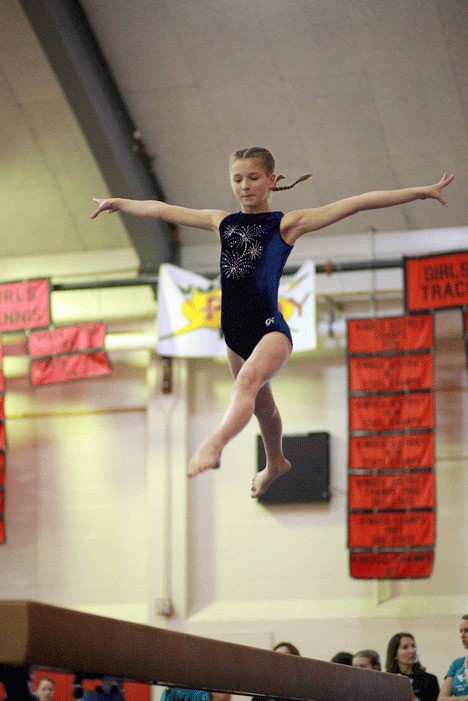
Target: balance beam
[{"x": 36, "y": 634}]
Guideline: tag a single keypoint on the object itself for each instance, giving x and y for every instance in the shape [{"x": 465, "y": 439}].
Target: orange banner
[
  {"x": 64, "y": 368},
  {"x": 2, "y": 381},
  {"x": 66, "y": 339},
  {"x": 2, "y": 435},
  {"x": 391, "y": 412},
  {"x": 398, "y": 373},
  {"x": 387, "y": 530},
  {"x": 24, "y": 305},
  {"x": 391, "y": 452},
  {"x": 436, "y": 282},
  {"x": 390, "y": 334},
  {"x": 393, "y": 565},
  {"x": 415, "y": 490}
]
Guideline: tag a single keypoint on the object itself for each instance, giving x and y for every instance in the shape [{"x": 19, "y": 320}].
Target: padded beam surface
[{"x": 48, "y": 636}]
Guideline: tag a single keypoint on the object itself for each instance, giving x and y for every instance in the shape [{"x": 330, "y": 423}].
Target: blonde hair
[{"x": 268, "y": 163}]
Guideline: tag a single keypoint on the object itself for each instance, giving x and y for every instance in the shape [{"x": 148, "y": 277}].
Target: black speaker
[{"x": 309, "y": 477}]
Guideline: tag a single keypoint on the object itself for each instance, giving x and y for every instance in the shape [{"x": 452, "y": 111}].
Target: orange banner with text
[
  {"x": 397, "y": 412},
  {"x": 414, "y": 490},
  {"x": 397, "y": 373},
  {"x": 390, "y": 334},
  {"x": 392, "y": 565},
  {"x": 413, "y": 450},
  {"x": 436, "y": 282},
  {"x": 388, "y": 529},
  {"x": 24, "y": 305}
]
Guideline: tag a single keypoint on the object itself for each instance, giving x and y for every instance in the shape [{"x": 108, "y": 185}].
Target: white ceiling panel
[{"x": 366, "y": 94}]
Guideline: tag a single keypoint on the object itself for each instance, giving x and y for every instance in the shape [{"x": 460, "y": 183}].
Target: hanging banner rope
[{"x": 436, "y": 282}]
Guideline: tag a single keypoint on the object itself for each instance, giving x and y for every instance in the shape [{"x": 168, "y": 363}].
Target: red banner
[
  {"x": 413, "y": 490},
  {"x": 2, "y": 530},
  {"x": 465, "y": 331},
  {"x": 66, "y": 339},
  {"x": 2, "y": 406},
  {"x": 387, "y": 530},
  {"x": 391, "y": 452},
  {"x": 391, "y": 412},
  {"x": 69, "y": 367},
  {"x": 393, "y": 565},
  {"x": 2, "y": 435},
  {"x": 398, "y": 373},
  {"x": 390, "y": 334},
  {"x": 24, "y": 305},
  {"x": 2, "y": 381},
  {"x": 2, "y": 467},
  {"x": 1, "y": 351},
  {"x": 436, "y": 282}
]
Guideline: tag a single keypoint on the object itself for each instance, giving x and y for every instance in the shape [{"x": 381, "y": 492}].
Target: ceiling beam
[{"x": 74, "y": 54}]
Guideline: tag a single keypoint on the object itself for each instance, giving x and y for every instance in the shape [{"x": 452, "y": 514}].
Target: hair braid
[{"x": 306, "y": 176}]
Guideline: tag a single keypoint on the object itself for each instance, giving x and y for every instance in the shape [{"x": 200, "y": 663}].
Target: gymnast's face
[{"x": 251, "y": 185}]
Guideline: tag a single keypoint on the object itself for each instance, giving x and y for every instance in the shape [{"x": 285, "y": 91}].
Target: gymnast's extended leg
[
  {"x": 268, "y": 357},
  {"x": 271, "y": 428}
]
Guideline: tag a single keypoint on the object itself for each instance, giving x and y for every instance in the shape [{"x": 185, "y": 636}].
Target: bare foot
[
  {"x": 205, "y": 458},
  {"x": 263, "y": 479}
]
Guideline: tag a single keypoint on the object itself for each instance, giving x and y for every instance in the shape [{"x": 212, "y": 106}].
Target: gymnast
[{"x": 255, "y": 245}]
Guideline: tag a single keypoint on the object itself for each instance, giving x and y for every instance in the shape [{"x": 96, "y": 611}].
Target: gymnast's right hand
[{"x": 110, "y": 205}]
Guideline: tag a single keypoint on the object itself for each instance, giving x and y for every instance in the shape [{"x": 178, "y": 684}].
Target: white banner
[{"x": 189, "y": 311}]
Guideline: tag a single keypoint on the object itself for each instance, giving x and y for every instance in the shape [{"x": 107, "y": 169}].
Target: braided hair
[{"x": 268, "y": 163}]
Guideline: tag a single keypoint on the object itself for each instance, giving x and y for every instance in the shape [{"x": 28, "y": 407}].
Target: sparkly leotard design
[{"x": 253, "y": 256}]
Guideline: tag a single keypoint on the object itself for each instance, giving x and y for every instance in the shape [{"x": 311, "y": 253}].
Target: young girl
[{"x": 255, "y": 244}]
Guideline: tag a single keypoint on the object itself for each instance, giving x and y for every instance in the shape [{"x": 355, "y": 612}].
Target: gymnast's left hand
[{"x": 110, "y": 205}]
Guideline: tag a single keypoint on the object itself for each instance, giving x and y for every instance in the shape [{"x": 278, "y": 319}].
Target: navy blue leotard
[{"x": 253, "y": 256}]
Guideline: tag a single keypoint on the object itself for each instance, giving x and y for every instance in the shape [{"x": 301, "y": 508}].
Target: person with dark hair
[
  {"x": 255, "y": 245},
  {"x": 286, "y": 649},
  {"x": 455, "y": 684},
  {"x": 367, "y": 659},
  {"x": 343, "y": 658},
  {"x": 402, "y": 658}
]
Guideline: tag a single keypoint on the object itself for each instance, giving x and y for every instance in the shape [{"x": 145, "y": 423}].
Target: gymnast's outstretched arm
[
  {"x": 208, "y": 219},
  {"x": 303, "y": 221}
]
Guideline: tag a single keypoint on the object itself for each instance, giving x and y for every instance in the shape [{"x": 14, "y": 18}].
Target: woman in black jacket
[{"x": 402, "y": 658}]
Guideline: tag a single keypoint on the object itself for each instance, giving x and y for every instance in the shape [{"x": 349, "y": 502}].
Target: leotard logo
[{"x": 269, "y": 321}]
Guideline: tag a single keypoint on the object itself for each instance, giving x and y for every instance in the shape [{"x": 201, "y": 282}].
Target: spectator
[
  {"x": 402, "y": 658},
  {"x": 343, "y": 658},
  {"x": 45, "y": 689},
  {"x": 367, "y": 659},
  {"x": 455, "y": 684}
]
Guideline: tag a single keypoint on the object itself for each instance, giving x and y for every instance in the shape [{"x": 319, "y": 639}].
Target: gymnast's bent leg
[{"x": 267, "y": 358}]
